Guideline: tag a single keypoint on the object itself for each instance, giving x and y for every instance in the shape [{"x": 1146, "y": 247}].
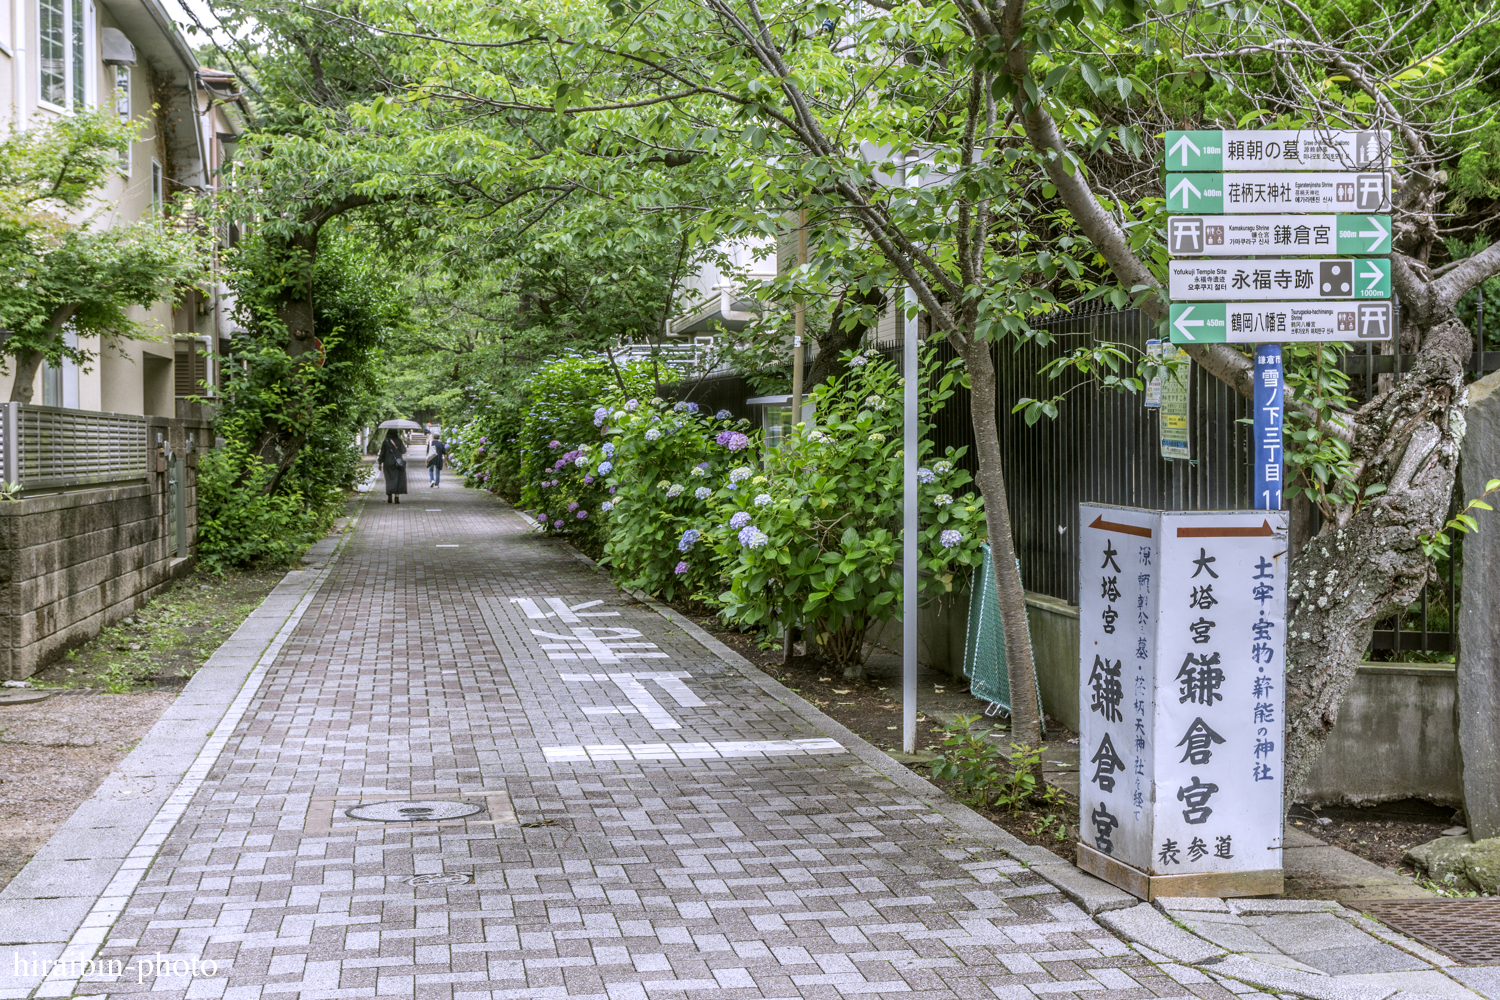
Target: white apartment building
[{"x": 60, "y": 55}]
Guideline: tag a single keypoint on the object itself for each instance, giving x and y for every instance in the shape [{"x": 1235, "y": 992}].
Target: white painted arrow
[
  {"x": 1182, "y": 322},
  {"x": 1376, "y": 234},
  {"x": 1185, "y": 183},
  {"x": 1183, "y": 143},
  {"x": 1374, "y": 274}
]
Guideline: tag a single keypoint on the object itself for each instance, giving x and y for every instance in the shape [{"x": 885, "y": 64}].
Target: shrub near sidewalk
[
  {"x": 670, "y": 470},
  {"x": 815, "y": 540}
]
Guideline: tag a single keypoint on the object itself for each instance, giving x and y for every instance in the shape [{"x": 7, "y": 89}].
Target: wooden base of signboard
[{"x": 1222, "y": 885}]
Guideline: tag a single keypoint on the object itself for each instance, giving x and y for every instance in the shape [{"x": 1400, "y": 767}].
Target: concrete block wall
[{"x": 73, "y": 562}]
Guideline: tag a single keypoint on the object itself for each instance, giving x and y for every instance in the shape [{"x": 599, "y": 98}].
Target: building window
[
  {"x": 155, "y": 186},
  {"x": 122, "y": 108},
  {"x": 62, "y": 52}
]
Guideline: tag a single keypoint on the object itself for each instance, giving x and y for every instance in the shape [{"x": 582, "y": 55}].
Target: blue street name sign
[{"x": 1269, "y": 389}]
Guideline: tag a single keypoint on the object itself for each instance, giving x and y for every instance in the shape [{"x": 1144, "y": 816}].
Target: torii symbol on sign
[{"x": 561, "y": 609}]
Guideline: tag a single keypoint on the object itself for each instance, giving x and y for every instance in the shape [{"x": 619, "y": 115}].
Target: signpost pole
[
  {"x": 1269, "y": 411},
  {"x": 909, "y": 523}
]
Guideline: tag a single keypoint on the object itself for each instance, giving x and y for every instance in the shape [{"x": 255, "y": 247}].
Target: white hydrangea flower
[
  {"x": 942, "y": 467},
  {"x": 762, "y": 499},
  {"x": 942, "y": 500},
  {"x": 741, "y": 474},
  {"x": 674, "y": 491},
  {"x": 653, "y": 434},
  {"x": 703, "y": 493}
]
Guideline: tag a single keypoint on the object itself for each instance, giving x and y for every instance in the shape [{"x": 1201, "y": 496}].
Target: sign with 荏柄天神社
[
  {"x": 1278, "y": 149},
  {"x": 1278, "y": 322},
  {"x": 1182, "y": 634},
  {"x": 1239, "y": 235},
  {"x": 1260, "y": 192}
]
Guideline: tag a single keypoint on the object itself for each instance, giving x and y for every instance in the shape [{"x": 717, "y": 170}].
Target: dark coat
[
  {"x": 436, "y": 453},
  {"x": 395, "y": 478}
]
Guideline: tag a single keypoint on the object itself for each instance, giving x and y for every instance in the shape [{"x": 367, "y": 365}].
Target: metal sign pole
[{"x": 909, "y": 524}]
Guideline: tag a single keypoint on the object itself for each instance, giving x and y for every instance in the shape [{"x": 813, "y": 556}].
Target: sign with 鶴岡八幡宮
[
  {"x": 1239, "y": 235},
  {"x": 1182, "y": 637},
  {"x": 1204, "y": 280},
  {"x": 1278, "y": 322},
  {"x": 1278, "y": 149},
  {"x": 1260, "y": 192}
]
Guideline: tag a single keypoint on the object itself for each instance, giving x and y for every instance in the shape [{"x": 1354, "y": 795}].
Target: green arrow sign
[
  {"x": 1291, "y": 235},
  {"x": 1278, "y": 322},
  {"x": 1337, "y": 278},
  {"x": 1256, "y": 192},
  {"x": 1278, "y": 149}
]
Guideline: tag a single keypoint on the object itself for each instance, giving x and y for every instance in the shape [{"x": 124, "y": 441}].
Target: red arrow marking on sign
[
  {"x": 1264, "y": 531},
  {"x": 1127, "y": 529}
]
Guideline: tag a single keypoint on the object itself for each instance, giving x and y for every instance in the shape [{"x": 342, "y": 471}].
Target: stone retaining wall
[{"x": 73, "y": 562}]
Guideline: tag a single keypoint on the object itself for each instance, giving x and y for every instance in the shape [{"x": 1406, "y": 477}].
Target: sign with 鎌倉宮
[
  {"x": 1238, "y": 235},
  {"x": 1278, "y": 149},
  {"x": 1346, "y": 278},
  {"x": 1277, "y": 322},
  {"x": 1245, "y": 193},
  {"x": 1182, "y": 637}
]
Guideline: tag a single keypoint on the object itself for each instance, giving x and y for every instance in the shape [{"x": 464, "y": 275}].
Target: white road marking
[
  {"x": 633, "y": 687},
  {"x": 561, "y": 609},
  {"x": 710, "y": 750},
  {"x": 589, "y": 644}
]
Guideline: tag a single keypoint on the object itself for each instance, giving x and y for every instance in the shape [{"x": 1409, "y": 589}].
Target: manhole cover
[
  {"x": 1464, "y": 929},
  {"x": 456, "y": 878},
  {"x": 417, "y": 811}
]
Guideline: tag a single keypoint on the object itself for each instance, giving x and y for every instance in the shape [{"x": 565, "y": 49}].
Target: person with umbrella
[{"x": 393, "y": 458}]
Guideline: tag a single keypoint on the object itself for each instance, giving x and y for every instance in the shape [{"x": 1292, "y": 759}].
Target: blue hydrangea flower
[
  {"x": 738, "y": 521},
  {"x": 762, "y": 499},
  {"x": 609, "y": 448},
  {"x": 653, "y": 434},
  {"x": 723, "y": 415},
  {"x": 703, "y": 493},
  {"x": 688, "y": 540},
  {"x": 607, "y": 506},
  {"x": 926, "y": 476},
  {"x": 752, "y": 537},
  {"x": 600, "y": 415},
  {"x": 605, "y": 468},
  {"x": 950, "y": 538}
]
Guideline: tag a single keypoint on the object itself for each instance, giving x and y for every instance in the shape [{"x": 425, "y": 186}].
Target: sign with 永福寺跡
[
  {"x": 1345, "y": 278},
  {"x": 1182, "y": 633},
  {"x": 1260, "y": 192},
  {"x": 1278, "y": 149},
  {"x": 1278, "y": 322},
  {"x": 1239, "y": 235}
]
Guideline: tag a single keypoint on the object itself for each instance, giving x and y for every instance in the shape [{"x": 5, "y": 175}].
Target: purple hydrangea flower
[
  {"x": 740, "y": 519},
  {"x": 752, "y": 537},
  {"x": 572, "y": 505},
  {"x": 554, "y": 444},
  {"x": 681, "y": 568},
  {"x": 557, "y": 523},
  {"x": 588, "y": 480},
  {"x": 581, "y": 514},
  {"x": 542, "y": 518},
  {"x": 950, "y": 538},
  {"x": 600, "y": 415}
]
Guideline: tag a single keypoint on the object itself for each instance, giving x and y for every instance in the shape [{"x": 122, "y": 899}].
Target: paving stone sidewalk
[{"x": 474, "y": 770}]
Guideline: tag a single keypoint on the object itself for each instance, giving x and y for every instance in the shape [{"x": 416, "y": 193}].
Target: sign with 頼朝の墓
[
  {"x": 1259, "y": 192},
  {"x": 1278, "y": 149},
  {"x": 1182, "y": 667}
]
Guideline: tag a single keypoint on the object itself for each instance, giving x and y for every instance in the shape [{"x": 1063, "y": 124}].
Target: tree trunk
[
  {"x": 836, "y": 339},
  {"x": 1025, "y": 706},
  {"x": 27, "y": 364},
  {"x": 1368, "y": 563}
]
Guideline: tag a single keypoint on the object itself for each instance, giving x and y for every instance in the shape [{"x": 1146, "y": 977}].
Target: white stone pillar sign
[{"x": 1181, "y": 640}]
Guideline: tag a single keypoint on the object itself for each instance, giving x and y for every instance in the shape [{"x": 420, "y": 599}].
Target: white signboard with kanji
[{"x": 1182, "y": 669}]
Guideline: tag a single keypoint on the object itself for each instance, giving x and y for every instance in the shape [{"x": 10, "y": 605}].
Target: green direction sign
[
  {"x": 1278, "y": 149},
  {"x": 1244, "y": 235},
  {"x": 1278, "y": 322},
  {"x": 1253, "y": 193},
  {"x": 1339, "y": 278}
]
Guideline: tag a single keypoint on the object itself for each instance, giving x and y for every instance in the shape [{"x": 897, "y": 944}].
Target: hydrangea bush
[
  {"x": 815, "y": 539},
  {"x": 669, "y": 470}
]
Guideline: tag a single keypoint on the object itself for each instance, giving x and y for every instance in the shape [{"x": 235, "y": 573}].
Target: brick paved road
[{"x": 645, "y": 821}]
